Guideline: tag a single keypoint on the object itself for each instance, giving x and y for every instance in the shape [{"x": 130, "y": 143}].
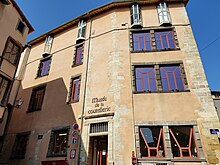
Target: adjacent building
[
  {"x": 216, "y": 98},
  {"x": 121, "y": 84},
  {"x": 14, "y": 28}
]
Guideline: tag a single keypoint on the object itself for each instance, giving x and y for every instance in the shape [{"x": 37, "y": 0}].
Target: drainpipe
[{"x": 84, "y": 96}]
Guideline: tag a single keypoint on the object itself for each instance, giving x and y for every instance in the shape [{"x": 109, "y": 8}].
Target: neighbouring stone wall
[{"x": 207, "y": 116}]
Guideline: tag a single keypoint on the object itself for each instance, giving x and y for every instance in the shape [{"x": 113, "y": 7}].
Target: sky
[{"x": 45, "y": 15}]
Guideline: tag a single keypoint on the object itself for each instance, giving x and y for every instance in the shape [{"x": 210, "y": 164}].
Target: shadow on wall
[{"x": 47, "y": 127}]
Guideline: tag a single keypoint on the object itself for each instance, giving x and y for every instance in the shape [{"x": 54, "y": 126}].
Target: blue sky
[{"x": 45, "y": 15}]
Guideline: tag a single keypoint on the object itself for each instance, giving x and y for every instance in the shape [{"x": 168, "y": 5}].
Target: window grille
[{"x": 99, "y": 127}]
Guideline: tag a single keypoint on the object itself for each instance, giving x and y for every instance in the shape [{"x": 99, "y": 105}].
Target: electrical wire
[{"x": 206, "y": 47}]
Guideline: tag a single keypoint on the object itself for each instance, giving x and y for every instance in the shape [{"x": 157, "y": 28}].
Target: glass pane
[
  {"x": 151, "y": 142},
  {"x": 135, "y": 8},
  {"x": 142, "y": 41},
  {"x": 180, "y": 85},
  {"x": 75, "y": 89},
  {"x": 83, "y": 32},
  {"x": 145, "y": 79},
  {"x": 45, "y": 67},
  {"x": 60, "y": 142},
  {"x": 180, "y": 142},
  {"x": 78, "y": 57},
  {"x": 136, "y": 18},
  {"x": 171, "y": 78}
]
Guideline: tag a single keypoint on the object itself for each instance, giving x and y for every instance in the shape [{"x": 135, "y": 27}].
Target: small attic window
[{"x": 20, "y": 27}]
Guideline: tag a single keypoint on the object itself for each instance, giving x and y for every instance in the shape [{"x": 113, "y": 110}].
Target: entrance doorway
[{"x": 98, "y": 150}]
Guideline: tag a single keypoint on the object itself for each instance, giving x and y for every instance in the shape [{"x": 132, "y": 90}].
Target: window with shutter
[
  {"x": 44, "y": 67},
  {"x": 81, "y": 31},
  {"x": 74, "y": 89},
  {"x": 135, "y": 15},
  {"x": 78, "y": 55},
  {"x": 163, "y": 13},
  {"x": 37, "y": 98},
  {"x": 48, "y": 45}
]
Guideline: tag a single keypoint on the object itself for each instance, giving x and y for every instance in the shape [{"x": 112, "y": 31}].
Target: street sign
[
  {"x": 75, "y": 126},
  {"x": 72, "y": 153},
  {"x": 74, "y": 140},
  {"x": 214, "y": 131},
  {"x": 75, "y": 133}
]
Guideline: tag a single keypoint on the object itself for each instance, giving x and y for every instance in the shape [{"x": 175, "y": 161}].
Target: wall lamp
[{"x": 18, "y": 103}]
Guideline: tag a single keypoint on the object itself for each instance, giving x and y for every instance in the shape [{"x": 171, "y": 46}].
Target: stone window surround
[
  {"x": 50, "y": 145},
  {"x": 169, "y": 158},
  {"x": 158, "y": 79},
  {"x": 68, "y": 101},
  {"x": 87, "y": 135},
  {"x": 152, "y": 31}
]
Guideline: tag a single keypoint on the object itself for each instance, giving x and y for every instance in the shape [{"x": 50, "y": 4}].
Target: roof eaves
[
  {"x": 94, "y": 11},
  {"x": 5, "y": 2},
  {"x": 31, "y": 29}
]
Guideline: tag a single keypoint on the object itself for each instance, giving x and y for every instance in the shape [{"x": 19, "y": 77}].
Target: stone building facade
[
  {"x": 14, "y": 28},
  {"x": 121, "y": 84},
  {"x": 216, "y": 99}
]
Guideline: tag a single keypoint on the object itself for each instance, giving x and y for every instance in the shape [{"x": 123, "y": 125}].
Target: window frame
[
  {"x": 158, "y": 77},
  {"x": 163, "y": 14},
  {"x": 20, "y": 23},
  {"x": 31, "y": 107},
  {"x": 70, "y": 95},
  {"x": 166, "y": 125},
  {"x": 14, "y": 154},
  {"x": 18, "y": 54},
  {"x": 81, "y": 32},
  {"x": 152, "y": 33},
  {"x": 136, "y": 39},
  {"x": 76, "y": 53},
  {"x": 40, "y": 67},
  {"x": 135, "y": 22},
  {"x": 48, "y": 45},
  {"x": 181, "y": 149},
  {"x": 7, "y": 91},
  {"x": 156, "y": 148},
  {"x": 175, "y": 77},
  {"x": 52, "y": 142},
  {"x": 148, "y": 79}
]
